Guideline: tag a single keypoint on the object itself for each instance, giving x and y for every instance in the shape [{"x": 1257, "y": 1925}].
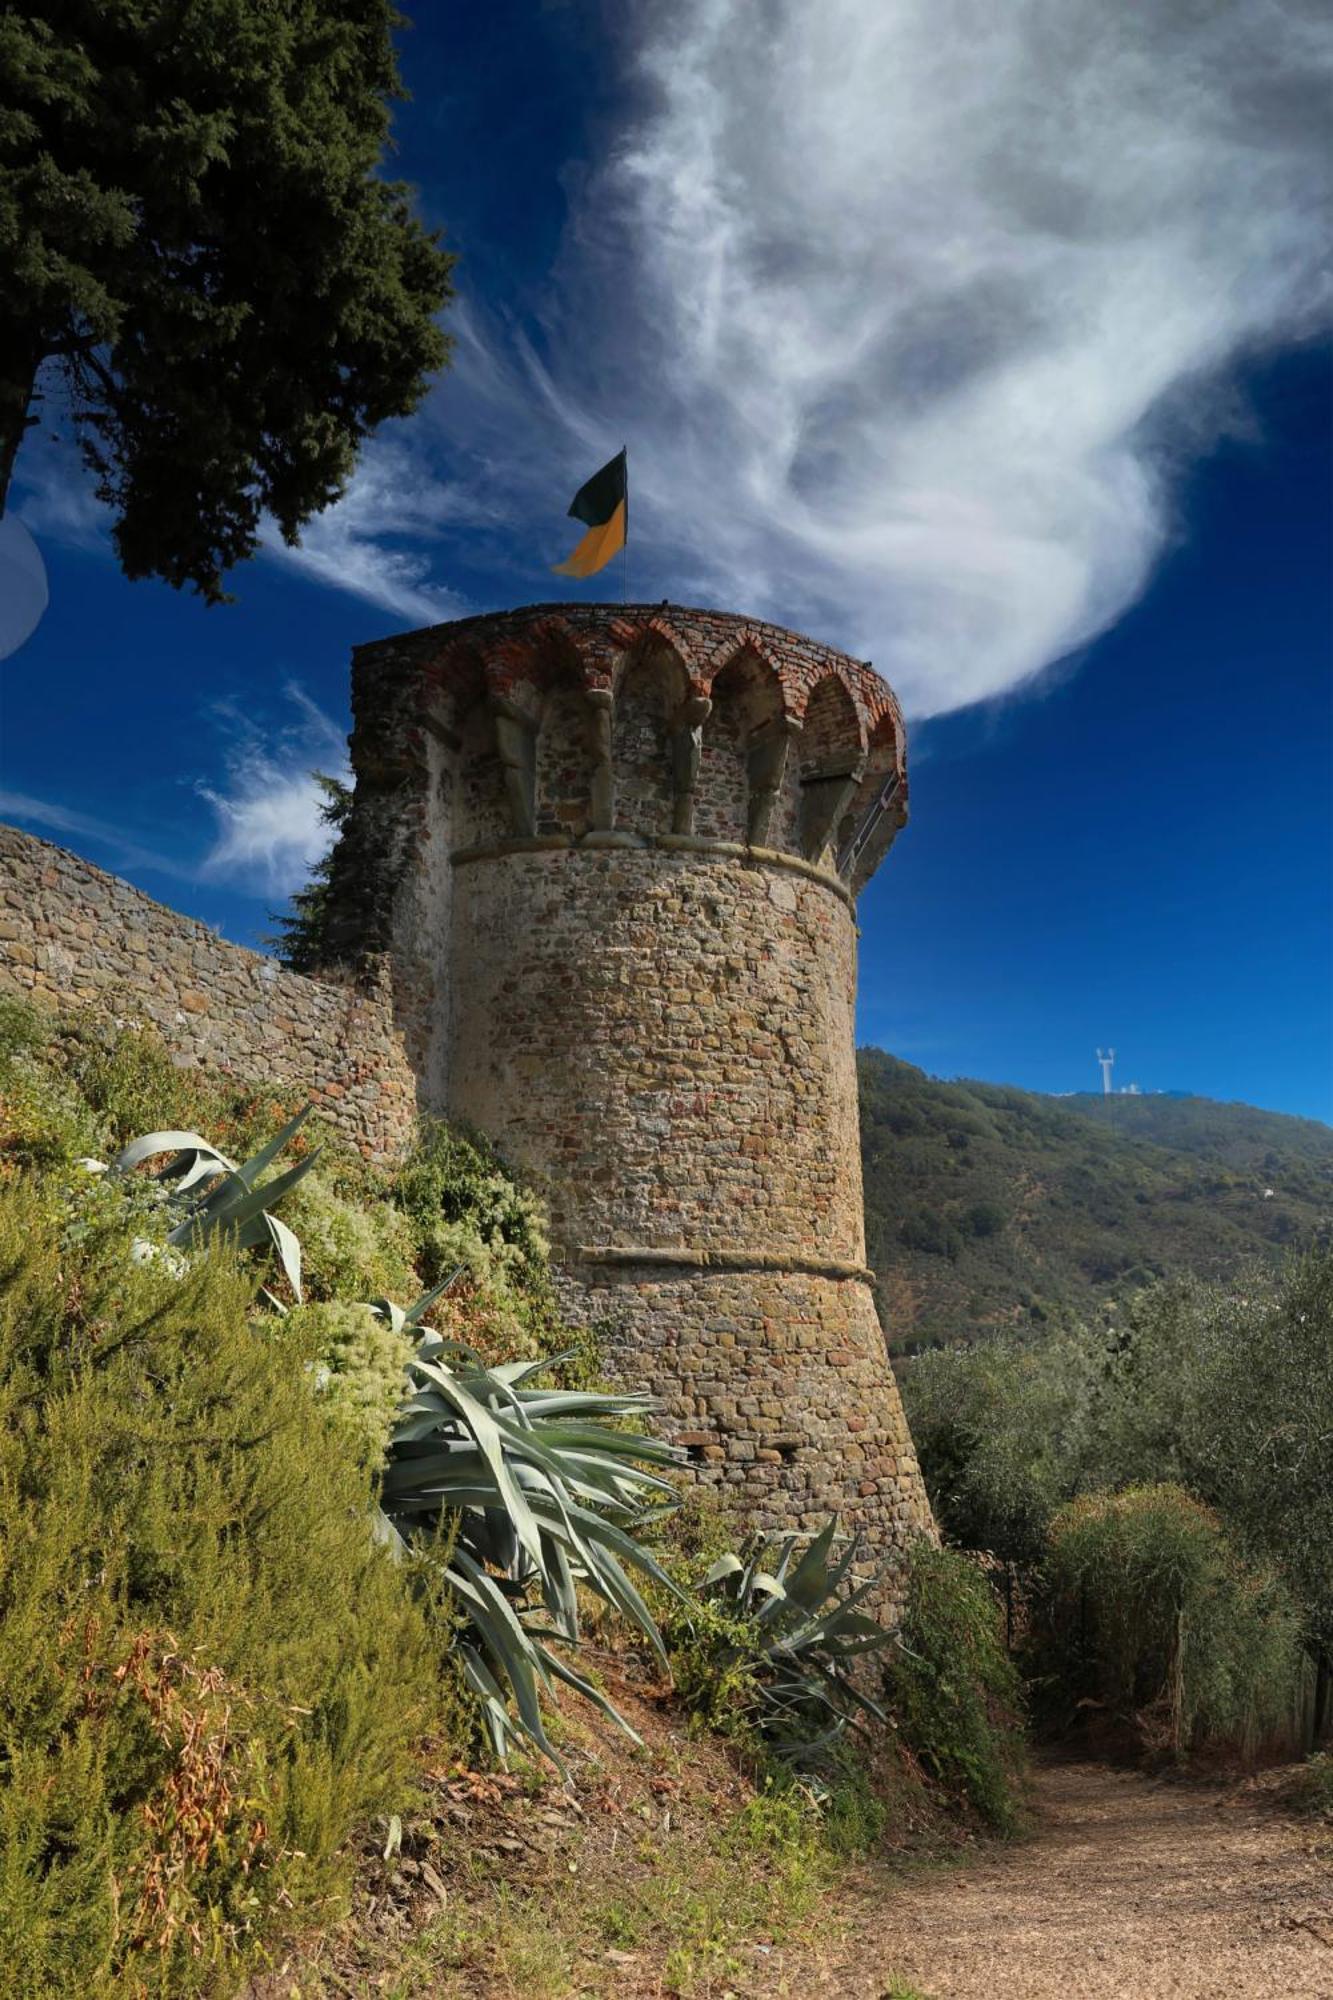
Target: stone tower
[{"x": 613, "y": 854}]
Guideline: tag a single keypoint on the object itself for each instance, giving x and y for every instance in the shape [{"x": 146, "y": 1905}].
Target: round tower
[{"x": 613, "y": 854}]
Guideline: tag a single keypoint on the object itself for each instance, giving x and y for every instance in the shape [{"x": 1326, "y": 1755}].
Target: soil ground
[{"x": 1129, "y": 1889}]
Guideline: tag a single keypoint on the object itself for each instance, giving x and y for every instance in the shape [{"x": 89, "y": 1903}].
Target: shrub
[
  {"x": 465, "y": 1208},
  {"x": 208, "y": 1673},
  {"x": 1003, "y": 1434},
  {"x": 772, "y": 1654},
  {"x": 355, "y": 1243},
  {"x": 360, "y": 1368},
  {"x": 1312, "y": 1789},
  {"x": 952, "y": 1690},
  {"x": 1148, "y": 1616}
]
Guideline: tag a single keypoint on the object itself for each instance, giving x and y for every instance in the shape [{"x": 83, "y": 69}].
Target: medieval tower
[{"x": 613, "y": 854}]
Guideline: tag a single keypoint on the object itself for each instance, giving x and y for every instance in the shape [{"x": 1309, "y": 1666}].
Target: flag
[{"x": 604, "y": 504}]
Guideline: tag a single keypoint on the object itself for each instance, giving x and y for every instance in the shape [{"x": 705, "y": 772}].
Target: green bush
[
  {"x": 360, "y": 1368},
  {"x": 952, "y": 1690},
  {"x": 1150, "y": 1620},
  {"x": 209, "y": 1675},
  {"x": 466, "y": 1209},
  {"x": 1312, "y": 1791},
  {"x": 355, "y": 1244},
  {"x": 1004, "y": 1431}
]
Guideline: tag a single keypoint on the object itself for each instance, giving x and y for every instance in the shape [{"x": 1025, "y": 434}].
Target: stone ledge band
[
  {"x": 721, "y": 1260},
  {"x": 642, "y": 843}
]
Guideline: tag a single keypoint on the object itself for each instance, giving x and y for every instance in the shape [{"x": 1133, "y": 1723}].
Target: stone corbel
[
  {"x": 686, "y": 747},
  {"x": 765, "y": 771},
  {"x": 602, "y": 783},
  {"x": 825, "y": 798},
  {"x": 516, "y": 744}
]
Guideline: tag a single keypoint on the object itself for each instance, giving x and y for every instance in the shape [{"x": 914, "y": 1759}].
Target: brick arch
[
  {"x": 832, "y": 758},
  {"x": 631, "y": 634},
  {"x": 747, "y": 641},
  {"x": 651, "y": 687},
  {"x": 745, "y": 731}
]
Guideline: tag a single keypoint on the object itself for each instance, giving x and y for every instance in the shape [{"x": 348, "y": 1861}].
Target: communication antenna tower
[{"x": 1106, "y": 1057}]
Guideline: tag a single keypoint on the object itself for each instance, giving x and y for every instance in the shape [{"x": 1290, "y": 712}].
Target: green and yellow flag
[{"x": 604, "y": 504}]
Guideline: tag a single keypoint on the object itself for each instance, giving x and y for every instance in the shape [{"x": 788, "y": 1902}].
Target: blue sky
[{"x": 994, "y": 353}]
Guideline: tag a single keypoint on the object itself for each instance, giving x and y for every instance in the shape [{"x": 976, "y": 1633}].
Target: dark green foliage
[
  {"x": 1230, "y": 1390},
  {"x": 1225, "y": 1390},
  {"x": 193, "y": 227},
  {"x": 465, "y": 1207},
  {"x": 1148, "y": 1620},
  {"x": 303, "y": 941},
  {"x": 991, "y": 1209},
  {"x": 952, "y": 1689},
  {"x": 208, "y": 1674},
  {"x": 771, "y": 1648},
  {"x": 1005, "y": 1432},
  {"x": 1312, "y": 1792}
]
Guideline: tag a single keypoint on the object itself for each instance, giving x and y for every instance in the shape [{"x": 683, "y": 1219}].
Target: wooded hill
[{"x": 990, "y": 1207}]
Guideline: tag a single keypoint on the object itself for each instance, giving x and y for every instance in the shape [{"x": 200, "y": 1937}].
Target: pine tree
[
  {"x": 302, "y": 942},
  {"x": 194, "y": 232}
]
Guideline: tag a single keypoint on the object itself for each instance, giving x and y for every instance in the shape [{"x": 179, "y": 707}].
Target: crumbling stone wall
[
  {"x": 73, "y": 937},
  {"x": 604, "y": 859}
]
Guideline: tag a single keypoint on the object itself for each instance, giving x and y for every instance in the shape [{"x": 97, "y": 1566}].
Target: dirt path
[{"x": 1131, "y": 1889}]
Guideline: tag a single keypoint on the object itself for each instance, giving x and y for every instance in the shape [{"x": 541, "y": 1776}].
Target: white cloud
[
  {"x": 907, "y": 304},
  {"x": 270, "y": 832},
  {"x": 392, "y": 494},
  {"x": 25, "y": 810}
]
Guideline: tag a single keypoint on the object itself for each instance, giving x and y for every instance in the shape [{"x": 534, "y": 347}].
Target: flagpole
[{"x": 624, "y": 567}]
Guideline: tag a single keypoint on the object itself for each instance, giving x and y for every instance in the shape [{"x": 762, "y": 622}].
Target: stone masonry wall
[
  {"x": 73, "y": 937},
  {"x": 602, "y": 848}
]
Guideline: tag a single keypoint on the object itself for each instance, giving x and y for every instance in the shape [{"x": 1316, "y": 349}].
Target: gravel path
[{"x": 1131, "y": 1889}]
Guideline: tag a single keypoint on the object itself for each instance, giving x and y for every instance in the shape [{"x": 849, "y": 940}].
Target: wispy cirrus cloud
[
  {"x": 912, "y": 312},
  {"x": 377, "y": 542},
  {"x": 927, "y": 303},
  {"x": 125, "y": 850},
  {"x": 269, "y": 829}
]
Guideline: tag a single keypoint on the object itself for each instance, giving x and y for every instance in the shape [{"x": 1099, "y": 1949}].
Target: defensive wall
[{"x": 73, "y": 937}]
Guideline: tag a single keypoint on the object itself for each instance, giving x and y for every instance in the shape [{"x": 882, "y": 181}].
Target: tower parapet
[{"x": 613, "y": 853}]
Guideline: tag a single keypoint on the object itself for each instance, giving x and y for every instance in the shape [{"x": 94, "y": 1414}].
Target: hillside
[{"x": 989, "y": 1207}]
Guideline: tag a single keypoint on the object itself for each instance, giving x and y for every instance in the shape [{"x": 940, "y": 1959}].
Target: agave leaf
[
  {"x": 234, "y": 1214},
  {"x": 562, "y": 1671},
  {"x": 416, "y": 1313},
  {"x": 288, "y": 1246},
  {"x": 503, "y": 1728},
  {"x": 386, "y": 1309},
  {"x": 506, "y": 1643},
  {"x": 151, "y": 1143},
  {"x": 725, "y": 1566},
  {"x": 808, "y": 1586},
  {"x": 264, "y": 1158},
  {"x": 490, "y": 1437}
]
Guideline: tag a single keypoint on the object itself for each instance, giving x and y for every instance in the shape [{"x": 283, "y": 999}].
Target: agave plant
[
  {"x": 800, "y": 1639},
  {"x": 527, "y": 1492},
  {"x": 214, "y": 1197}
]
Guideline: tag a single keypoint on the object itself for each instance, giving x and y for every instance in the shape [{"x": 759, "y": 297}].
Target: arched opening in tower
[
  {"x": 650, "y": 690},
  {"x": 747, "y": 710},
  {"x": 832, "y": 761}
]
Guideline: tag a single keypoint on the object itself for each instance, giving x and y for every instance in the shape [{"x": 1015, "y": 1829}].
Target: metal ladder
[{"x": 875, "y": 812}]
